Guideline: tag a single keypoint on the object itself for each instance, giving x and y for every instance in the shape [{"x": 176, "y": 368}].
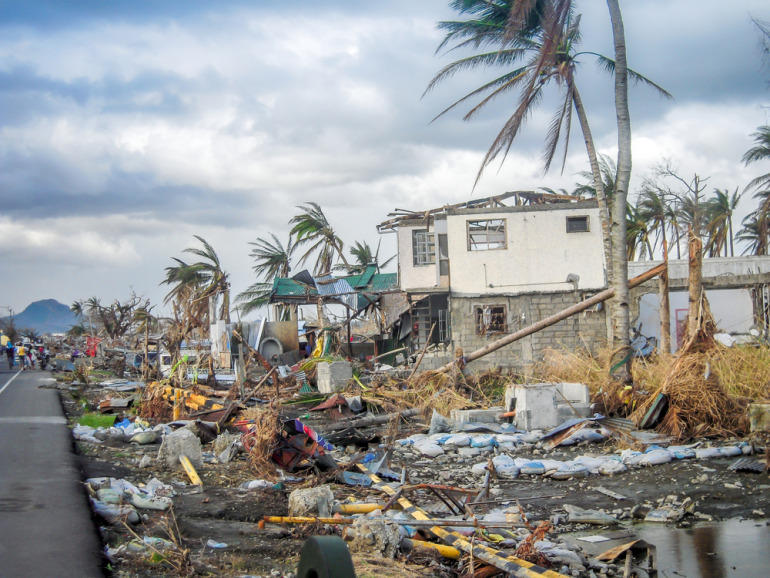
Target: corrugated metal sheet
[{"x": 340, "y": 289}]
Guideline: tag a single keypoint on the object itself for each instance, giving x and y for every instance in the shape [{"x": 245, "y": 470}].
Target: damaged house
[{"x": 475, "y": 271}]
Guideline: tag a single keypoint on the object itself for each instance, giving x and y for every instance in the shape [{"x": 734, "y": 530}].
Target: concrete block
[
  {"x": 311, "y": 502},
  {"x": 333, "y": 377},
  {"x": 476, "y": 415},
  {"x": 181, "y": 442},
  {"x": 543, "y": 405}
]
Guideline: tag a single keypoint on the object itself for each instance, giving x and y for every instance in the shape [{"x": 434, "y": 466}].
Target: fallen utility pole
[{"x": 555, "y": 318}]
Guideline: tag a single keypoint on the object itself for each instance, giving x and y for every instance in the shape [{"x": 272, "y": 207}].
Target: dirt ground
[{"x": 223, "y": 513}]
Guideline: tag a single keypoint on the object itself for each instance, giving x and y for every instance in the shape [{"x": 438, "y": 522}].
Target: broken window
[
  {"x": 486, "y": 235},
  {"x": 490, "y": 319},
  {"x": 577, "y": 224},
  {"x": 423, "y": 248}
]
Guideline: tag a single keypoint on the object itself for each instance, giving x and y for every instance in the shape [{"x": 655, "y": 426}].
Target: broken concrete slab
[
  {"x": 333, "y": 377},
  {"x": 311, "y": 502},
  {"x": 489, "y": 415},
  {"x": 182, "y": 442},
  {"x": 546, "y": 405}
]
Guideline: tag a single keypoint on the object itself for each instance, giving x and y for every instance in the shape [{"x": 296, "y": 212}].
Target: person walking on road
[
  {"x": 10, "y": 352},
  {"x": 22, "y": 352}
]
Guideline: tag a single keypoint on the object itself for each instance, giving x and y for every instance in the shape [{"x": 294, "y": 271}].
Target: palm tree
[
  {"x": 719, "y": 213},
  {"x": 272, "y": 258},
  {"x": 215, "y": 279},
  {"x": 543, "y": 38},
  {"x": 364, "y": 256},
  {"x": 754, "y": 232},
  {"x": 759, "y": 152},
  {"x": 257, "y": 296},
  {"x": 545, "y": 33},
  {"x": 653, "y": 208},
  {"x": 637, "y": 234},
  {"x": 201, "y": 280},
  {"x": 312, "y": 226},
  {"x": 609, "y": 174}
]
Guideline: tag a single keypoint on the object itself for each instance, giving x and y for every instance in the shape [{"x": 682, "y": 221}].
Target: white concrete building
[{"x": 481, "y": 269}]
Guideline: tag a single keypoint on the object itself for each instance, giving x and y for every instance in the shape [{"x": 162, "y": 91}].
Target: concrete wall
[
  {"x": 712, "y": 267},
  {"x": 539, "y": 253},
  {"x": 733, "y": 311},
  {"x": 409, "y": 276},
  {"x": 584, "y": 330}
]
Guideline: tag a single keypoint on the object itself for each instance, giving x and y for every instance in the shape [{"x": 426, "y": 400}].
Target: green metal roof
[{"x": 369, "y": 282}]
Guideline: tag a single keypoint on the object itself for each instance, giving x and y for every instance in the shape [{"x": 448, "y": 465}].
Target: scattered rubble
[{"x": 425, "y": 474}]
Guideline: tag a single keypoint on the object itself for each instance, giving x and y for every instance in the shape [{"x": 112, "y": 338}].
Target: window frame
[
  {"x": 578, "y": 218},
  {"x": 486, "y": 245},
  {"x": 501, "y": 324},
  {"x": 423, "y": 251}
]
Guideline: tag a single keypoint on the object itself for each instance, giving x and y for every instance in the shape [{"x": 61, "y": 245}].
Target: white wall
[
  {"x": 539, "y": 256},
  {"x": 732, "y": 309},
  {"x": 409, "y": 276}
]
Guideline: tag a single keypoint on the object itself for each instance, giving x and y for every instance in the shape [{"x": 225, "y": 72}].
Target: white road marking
[
  {"x": 35, "y": 419},
  {"x": 9, "y": 381}
]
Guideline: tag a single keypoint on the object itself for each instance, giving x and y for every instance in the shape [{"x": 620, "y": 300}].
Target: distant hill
[{"x": 46, "y": 316}]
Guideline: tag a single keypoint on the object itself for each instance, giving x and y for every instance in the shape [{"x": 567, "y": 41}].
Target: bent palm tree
[
  {"x": 199, "y": 281},
  {"x": 653, "y": 208},
  {"x": 273, "y": 260},
  {"x": 364, "y": 256},
  {"x": 312, "y": 226},
  {"x": 543, "y": 35},
  {"x": 720, "y": 210},
  {"x": 759, "y": 152}
]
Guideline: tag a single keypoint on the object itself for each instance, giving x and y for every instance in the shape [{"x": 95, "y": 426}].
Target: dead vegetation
[
  {"x": 708, "y": 390},
  {"x": 260, "y": 441}
]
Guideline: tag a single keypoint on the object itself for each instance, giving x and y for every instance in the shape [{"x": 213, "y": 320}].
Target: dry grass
[
  {"x": 698, "y": 403},
  {"x": 708, "y": 389},
  {"x": 261, "y": 440},
  {"x": 428, "y": 391}
]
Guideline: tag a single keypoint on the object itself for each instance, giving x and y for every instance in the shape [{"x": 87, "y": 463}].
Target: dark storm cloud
[{"x": 43, "y": 185}]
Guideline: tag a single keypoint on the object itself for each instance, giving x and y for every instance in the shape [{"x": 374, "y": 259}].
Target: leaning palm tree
[
  {"x": 719, "y": 214},
  {"x": 255, "y": 297},
  {"x": 653, "y": 208},
  {"x": 363, "y": 257},
  {"x": 609, "y": 175},
  {"x": 543, "y": 34},
  {"x": 759, "y": 152},
  {"x": 272, "y": 258},
  {"x": 637, "y": 235},
  {"x": 197, "y": 282},
  {"x": 311, "y": 226}
]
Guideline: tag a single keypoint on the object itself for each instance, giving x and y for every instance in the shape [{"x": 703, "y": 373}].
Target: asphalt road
[{"x": 45, "y": 521}]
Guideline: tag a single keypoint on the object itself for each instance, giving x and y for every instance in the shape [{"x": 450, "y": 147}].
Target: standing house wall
[
  {"x": 539, "y": 253},
  {"x": 412, "y": 277},
  {"x": 581, "y": 331}
]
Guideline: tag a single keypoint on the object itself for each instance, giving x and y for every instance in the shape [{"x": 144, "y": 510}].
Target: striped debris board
[{"x": 510, "y": 564}]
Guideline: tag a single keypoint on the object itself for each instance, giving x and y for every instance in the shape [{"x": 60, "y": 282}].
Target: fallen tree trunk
[
  {"x": 555, "y": 318},
  {"x": 369, "y": 420}
]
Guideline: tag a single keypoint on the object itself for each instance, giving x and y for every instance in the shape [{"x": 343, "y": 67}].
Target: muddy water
[{"x": 731, "y": 548}]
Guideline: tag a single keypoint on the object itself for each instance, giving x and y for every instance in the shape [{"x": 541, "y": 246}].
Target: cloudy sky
[{"x": 128, "y": 127}]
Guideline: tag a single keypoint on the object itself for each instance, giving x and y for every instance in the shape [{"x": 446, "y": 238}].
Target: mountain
[{"x": 46, "y": 316}]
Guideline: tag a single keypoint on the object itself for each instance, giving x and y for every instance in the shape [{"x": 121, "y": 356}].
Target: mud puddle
[{"x": 710, "y": 550}]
